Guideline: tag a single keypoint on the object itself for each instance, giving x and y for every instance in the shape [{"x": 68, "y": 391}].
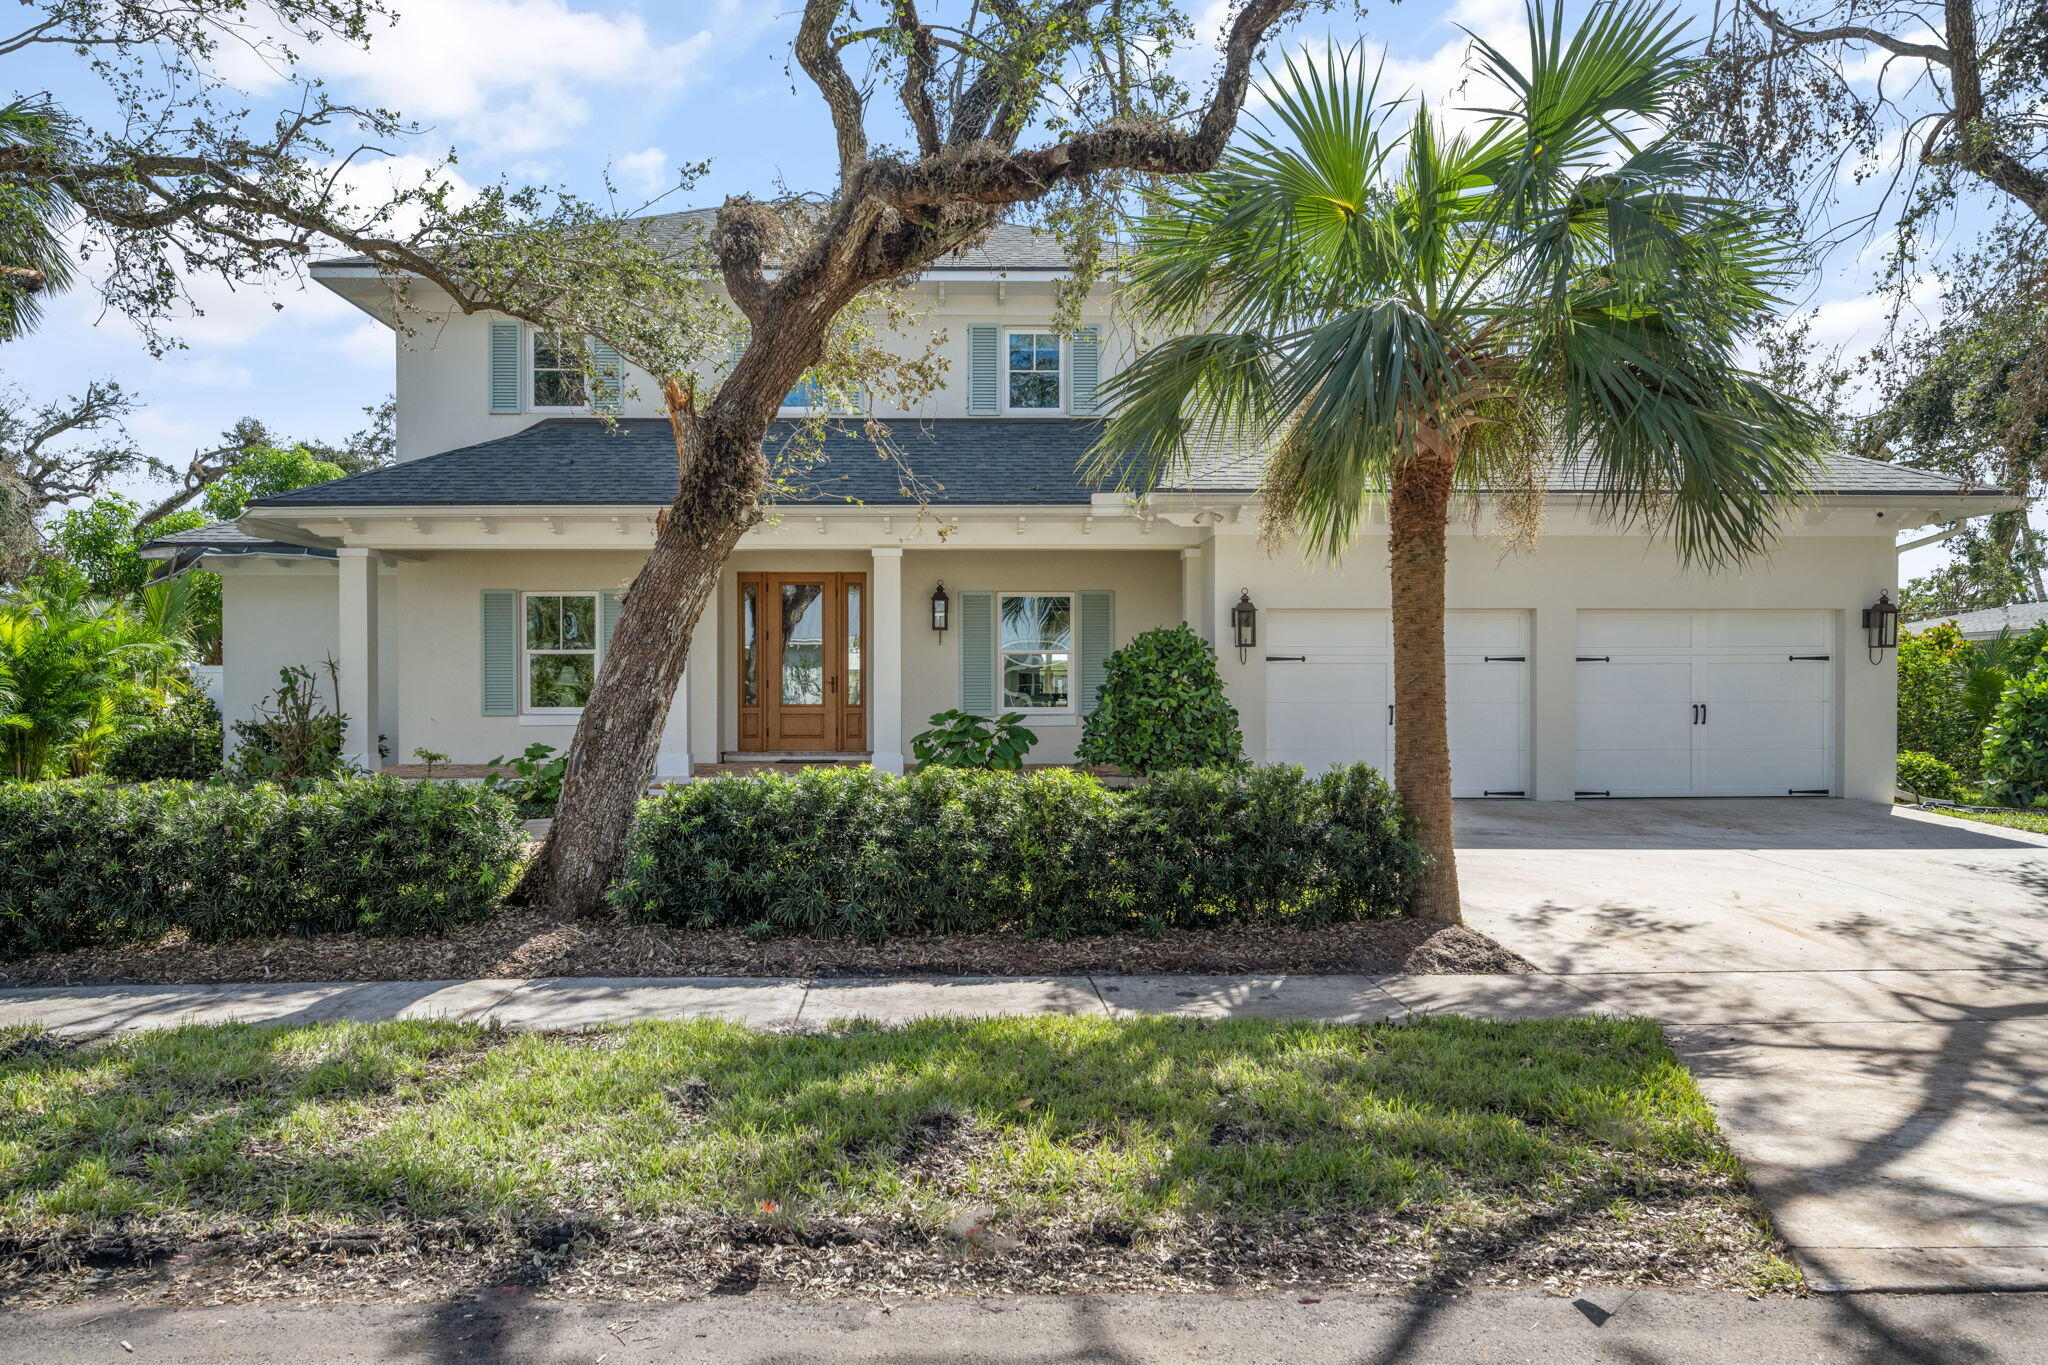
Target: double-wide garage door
[
  {"x": 1670, "y": 703},
  {"x": 1329, "y": 693},
  {"x": 1705, "y": 703}
]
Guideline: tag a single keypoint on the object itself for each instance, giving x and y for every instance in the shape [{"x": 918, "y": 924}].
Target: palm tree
[
  {"x": 34, "y": 212},
  {"x": 74, "y": 674},
  {"x": 1399, "y": 313}
]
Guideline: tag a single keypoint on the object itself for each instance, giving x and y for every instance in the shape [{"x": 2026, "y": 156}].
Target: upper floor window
[
  {"x": 1031, "y": 379},
  {"x": 558, "y": 371}
]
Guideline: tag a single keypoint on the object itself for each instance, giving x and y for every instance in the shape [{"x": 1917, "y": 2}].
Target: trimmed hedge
[
  {"x": 855, "y": 852},
  {"x": 183, "y": 745},
  {"x": 88, "y": 863}
]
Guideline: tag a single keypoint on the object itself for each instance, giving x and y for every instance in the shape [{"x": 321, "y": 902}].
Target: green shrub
[
  {"x": 184, "y": 745},
  {"x": 535, "y": 786},
  {"x": 84, "y": 863},
  {"x": 294, "y": 737},
  {"x": 855, "y": 852},
  {"x": 961, "y": 739},
  {"x": 1162, "y": 706},
  {"x": 1935, "y": 715},
  {"x": 1927, "y": 777},
  {"x": 2015, "y": 762}
]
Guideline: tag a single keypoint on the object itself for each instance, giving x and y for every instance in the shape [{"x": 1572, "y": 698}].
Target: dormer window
[{"x": 558, "y": 372}]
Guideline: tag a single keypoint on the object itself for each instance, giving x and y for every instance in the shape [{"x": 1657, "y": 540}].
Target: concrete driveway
[{"x": 1862, "y": 992}]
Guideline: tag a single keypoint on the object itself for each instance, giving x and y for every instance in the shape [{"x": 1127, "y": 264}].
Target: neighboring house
[
  {"x": 2019, "y": 618},
  {"x": 467, "y": 591}
]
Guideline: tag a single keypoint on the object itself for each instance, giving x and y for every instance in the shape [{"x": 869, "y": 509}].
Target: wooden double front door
[{"x": 802, "y": 646}]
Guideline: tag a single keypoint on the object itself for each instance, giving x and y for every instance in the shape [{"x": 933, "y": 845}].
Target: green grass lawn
[
  {"x": 2034, "y": 820},
  {"x": 1426, "y": 1152}
]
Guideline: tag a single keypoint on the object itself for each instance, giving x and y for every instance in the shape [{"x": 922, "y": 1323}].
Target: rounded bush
[
  {"x": 1927, "y": 777},
  {"x": 1162, "y": 706},
  {"x": 185, "y": 745}
]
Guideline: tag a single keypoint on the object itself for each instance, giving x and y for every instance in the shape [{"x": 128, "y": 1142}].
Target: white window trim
[
  {"x": 532, "y": 339},
  {"x": 1073, "y": 652},
  {"x": 553, "y": 714},
  {"x": 1003, "y": 371}
]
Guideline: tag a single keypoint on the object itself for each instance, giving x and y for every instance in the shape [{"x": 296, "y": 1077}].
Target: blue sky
[{"x": 561, "y": 91}]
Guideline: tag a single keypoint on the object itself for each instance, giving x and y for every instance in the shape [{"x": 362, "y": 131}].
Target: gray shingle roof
[
  {"x": 1223, "y": 470},
  {"x": 2019, "y": 618},
  {"x": 568, "y": 461},
  {"x": 225, "y": 538}
]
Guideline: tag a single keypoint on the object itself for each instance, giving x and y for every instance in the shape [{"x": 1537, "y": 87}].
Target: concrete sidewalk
[
  {"x": 1645, "y": 1327},
  {"x": 582, "y": 1002}
]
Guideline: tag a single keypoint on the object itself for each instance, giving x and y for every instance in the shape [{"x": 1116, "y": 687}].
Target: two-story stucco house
[{"x": 465, "y": 591}]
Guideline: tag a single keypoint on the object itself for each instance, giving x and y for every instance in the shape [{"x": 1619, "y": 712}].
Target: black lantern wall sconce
[
  {"x": 1244, "y": 624},
  {"x": 940, "y": 604},
  {"x": 1881, "y": 626}
]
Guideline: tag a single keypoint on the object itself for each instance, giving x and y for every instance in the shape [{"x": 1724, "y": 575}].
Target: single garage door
[
  {"x": 1329, "y": 693},
  {"x": 1706, "y": 703}
]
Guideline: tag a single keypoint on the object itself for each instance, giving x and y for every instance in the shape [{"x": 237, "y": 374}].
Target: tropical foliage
[
  {"x": 1162, "y": 706},
  {"x": 75, "y": 672},
  {"x": 1402, "y": 311},
  {"x": 1926, "y": 777},
  {"x": 961, "y": 739},
  {"x": 184, "y": 744}
]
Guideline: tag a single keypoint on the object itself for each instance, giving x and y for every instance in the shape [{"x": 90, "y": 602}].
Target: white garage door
[
  {"x": 1329, "y": 694},
  {"x": 1705, "y": 703}
]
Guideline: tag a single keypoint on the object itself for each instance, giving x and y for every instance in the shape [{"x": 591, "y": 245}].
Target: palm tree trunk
[{"x": 1418, "y": 512}]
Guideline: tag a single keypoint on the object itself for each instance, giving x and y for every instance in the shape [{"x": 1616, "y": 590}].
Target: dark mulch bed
[{"x": 526, "y": 944}]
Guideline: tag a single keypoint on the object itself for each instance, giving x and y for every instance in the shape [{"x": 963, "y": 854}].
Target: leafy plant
[
  {"x": 75, "y": 673},
  {"x": 859, "y": 853},
  {"x": 183, "y": 744},
  {"x": 431, "y": 759},
  {"x": 1926, "y": 777},
  {"x": 536, "y": 782},
  {"x": 2016, "y": 746},
  {"x": 1935, "y": 713},
  {"x": 1162, "y": 706},
  {"x": 85, "y": 863},
  {"x": 294, "y": 738},
  {"x": 960, "y": 739}
]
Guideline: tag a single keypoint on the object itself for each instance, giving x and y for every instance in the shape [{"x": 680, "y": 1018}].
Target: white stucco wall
[
  {"x": 274, "y": 615},
  {"x": 443, "y": 366},
  {"x": 1568, "y": 574}
]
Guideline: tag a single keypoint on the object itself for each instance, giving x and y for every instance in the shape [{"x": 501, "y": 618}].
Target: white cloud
[
  {"x": 507, "y": 76},
  {"x": 647, "y": 171},
  {"x": 211, "y": 372},
  {"x": 369, "y": 345}
]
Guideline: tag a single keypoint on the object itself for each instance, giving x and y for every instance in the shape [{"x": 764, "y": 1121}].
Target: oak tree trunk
[
  {"x": 612, "y": 757},
  {"x": 1417, "y": 514}
]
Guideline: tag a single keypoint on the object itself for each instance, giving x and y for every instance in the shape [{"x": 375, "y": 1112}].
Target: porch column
[
  {"x": 884, "y": 662},
  {"x": 672, "y": 761},
  {"x": 698, "y": 694},
  {"x": 1193, "y": 597},
  {"x": 356, "y": 657}
]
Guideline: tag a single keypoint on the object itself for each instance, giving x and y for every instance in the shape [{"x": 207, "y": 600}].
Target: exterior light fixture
[
  {"x": 1244, "y": 624},
  {"x": 940, "y": 602},
  {"x": 1881, "y": 625}
]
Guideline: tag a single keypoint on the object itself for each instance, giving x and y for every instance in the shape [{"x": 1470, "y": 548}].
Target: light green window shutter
[
  {"x": 1084, "y": 370},
  {"x": 978, "y": 653},
  {"x": 608, "y": 604},
  {"x": 609, "y": 374},
  {"x": 505, "y": 367},
  {"x": 984, "y": 358},
  {"x": 501, "y": 652},
  {"x": 1098, "y": 641}
]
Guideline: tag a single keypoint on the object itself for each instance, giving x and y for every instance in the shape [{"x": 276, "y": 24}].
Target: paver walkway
[{"x": 1863, "y": 995}]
